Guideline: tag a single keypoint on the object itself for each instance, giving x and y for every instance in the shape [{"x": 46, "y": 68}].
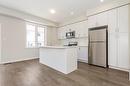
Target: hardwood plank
[{"x": 32, "y": 73}]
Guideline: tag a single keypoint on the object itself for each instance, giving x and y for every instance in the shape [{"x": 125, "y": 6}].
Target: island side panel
[
  {"x": 54, "y": 58},
  {"x": 71, "y": 59}
]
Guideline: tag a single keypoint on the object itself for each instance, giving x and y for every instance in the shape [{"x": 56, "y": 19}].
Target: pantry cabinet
[
  {"x": 118, "y": 37},
  {"x": 112, "y": 50},
  {"x": 123, "y": 51},
  {"x": 118, "y": 50}
]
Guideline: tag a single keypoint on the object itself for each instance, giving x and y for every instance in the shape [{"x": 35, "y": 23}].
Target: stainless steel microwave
[{"x": 70, "y": 34}]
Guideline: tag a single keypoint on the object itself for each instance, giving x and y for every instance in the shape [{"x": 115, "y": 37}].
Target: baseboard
[
  {"x": 11, "y": 60},
  {"x": 117, "y": 68},
  {"x": 80, "y": 60}
]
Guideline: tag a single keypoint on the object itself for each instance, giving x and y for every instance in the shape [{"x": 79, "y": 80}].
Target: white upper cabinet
[
  {"x": 123, "y": 19},
  {"x": 118, "y": 20},
  {"x": 98, "y": 20},
  {"x": 112, "y": 21},
  {"x": 82, "y": 29},
  {"x": 102, "y": 19},
  {"x": 92, "y": 21}
]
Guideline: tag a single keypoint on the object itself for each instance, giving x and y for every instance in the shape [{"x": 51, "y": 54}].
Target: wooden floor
[{"x": 32, "y": 73}]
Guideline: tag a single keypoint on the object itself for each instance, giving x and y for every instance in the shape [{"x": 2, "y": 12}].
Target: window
[
  {"x": 35, "y": 36},
  {"x": 41, "y": 36}
]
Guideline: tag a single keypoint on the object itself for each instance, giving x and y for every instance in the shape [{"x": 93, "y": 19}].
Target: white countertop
[{"x": 60, "y": 47}]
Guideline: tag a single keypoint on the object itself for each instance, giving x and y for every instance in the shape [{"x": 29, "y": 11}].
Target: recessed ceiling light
[
  {"x": 52, "y": 11},
  {"x": 102, "y": 0}
]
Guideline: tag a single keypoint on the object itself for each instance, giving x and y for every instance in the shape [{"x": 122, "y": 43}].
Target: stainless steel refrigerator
[{"x": 98, "y": 46}]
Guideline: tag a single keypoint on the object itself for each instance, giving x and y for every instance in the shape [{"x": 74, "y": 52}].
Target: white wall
[
  {"x": 14, "y": 40},
  {"x": 14, "y": 34}
]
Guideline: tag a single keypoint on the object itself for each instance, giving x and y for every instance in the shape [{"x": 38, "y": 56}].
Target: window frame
[{"x": 36, "y": 34}]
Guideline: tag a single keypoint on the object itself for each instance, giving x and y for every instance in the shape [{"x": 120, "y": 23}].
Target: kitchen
[
  {"x": 76, "y": 34},
  {"x": 91, "y": 49}
]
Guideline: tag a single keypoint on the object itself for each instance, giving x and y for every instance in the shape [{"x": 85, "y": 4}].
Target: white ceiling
[{"x": 63, "y": 8}]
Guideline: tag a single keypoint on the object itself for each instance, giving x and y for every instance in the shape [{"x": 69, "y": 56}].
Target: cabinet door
[
  {"x": 92, "y": 21},
  {"x": 84, "y": 28},
  {"x": 123, "y": 18},
  {"x": 112, "y": 21},
  {"x": 83, "y": 54},
  {"x": 123, "y": 51},
  {"x": 112, "y": 50},
  {"x": 102, "y": 19}
]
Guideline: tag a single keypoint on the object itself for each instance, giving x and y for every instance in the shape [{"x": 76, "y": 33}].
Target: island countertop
[
  {"x": 59, "y": 47},
  {"x": 61, "y": 58}
]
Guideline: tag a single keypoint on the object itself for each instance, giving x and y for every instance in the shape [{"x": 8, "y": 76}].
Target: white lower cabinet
[
  {"x": 118, "y": 47},
  {"x": 118, "y": 51},
  {"x": 123, "y": 51},
  {"x": 112, "y": 49},
  {"x": 83, "y": 54}
]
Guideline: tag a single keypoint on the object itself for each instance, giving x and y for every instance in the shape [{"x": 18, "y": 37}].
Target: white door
[
  {"x": 112, "y": 21},
  {"x": 123, "y": 18},
  {"x": 102, "y": 19},
  {"x": 123, "y": 51},
  {"x": 112, "y": 50}
]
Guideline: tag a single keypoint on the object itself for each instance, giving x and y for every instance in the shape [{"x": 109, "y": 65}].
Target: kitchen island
[{"x": 63, "y": 59}]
